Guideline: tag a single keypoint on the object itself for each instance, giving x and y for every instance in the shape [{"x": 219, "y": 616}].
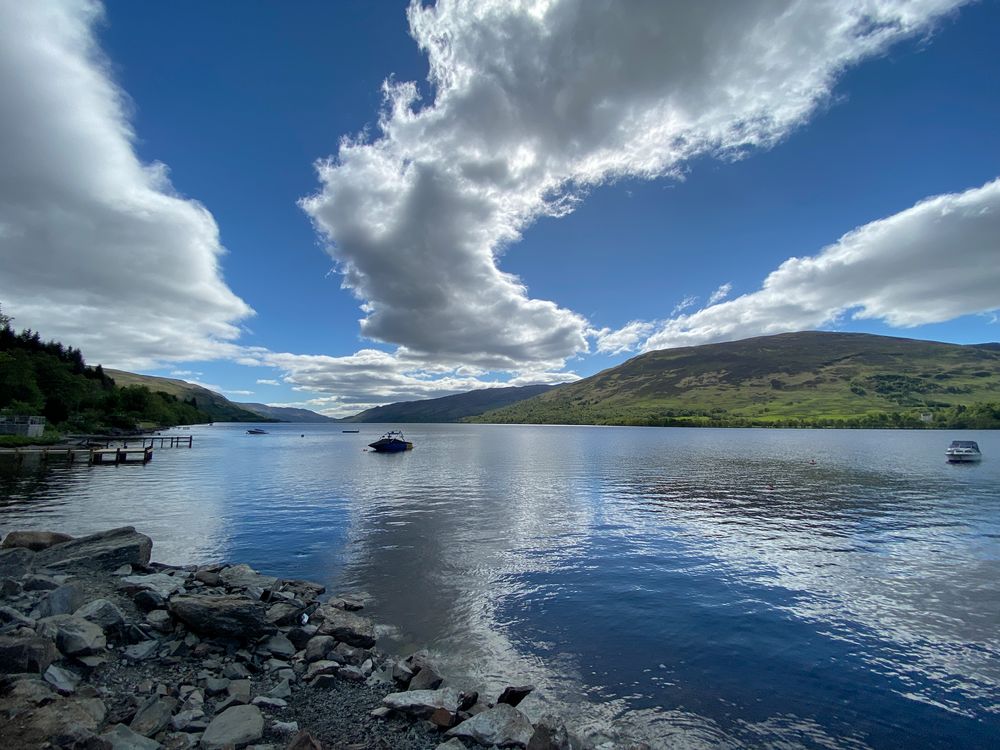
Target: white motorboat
[{"x": 963, "y": 451}]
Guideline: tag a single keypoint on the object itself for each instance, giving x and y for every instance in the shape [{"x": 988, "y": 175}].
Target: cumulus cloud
[
  {"x": 933, "y": 262},
  {"x": 625, "y": 339},
  {"x": 371, "y": 377},
  {"x": 267, "y": 382},
  {"x": 533, "y": 103},
  {"x": 91, "y": 239},
  {"x": 721, "y": 293}
]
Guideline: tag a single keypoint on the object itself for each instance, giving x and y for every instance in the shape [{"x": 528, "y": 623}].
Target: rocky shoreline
[{"x": 100, "y": 649}]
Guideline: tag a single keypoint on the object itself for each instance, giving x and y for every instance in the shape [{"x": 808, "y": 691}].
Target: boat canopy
[{"x": 964, "y": 444}]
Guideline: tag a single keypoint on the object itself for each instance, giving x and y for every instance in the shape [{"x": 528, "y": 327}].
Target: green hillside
[
  {"x": 449, "y": 408},
  {"x": 797, "y": 379},
  {"x": 286, "y": 413},
  {"x": 215, "y": 405}
]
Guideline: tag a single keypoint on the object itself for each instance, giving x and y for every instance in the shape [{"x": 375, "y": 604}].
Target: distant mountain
[
  {"x": 449, "y": 408},
  {"x": 217, "y": 406},
  {"x": 810, "y": 378},
  {"x": 286, "y": 413}
]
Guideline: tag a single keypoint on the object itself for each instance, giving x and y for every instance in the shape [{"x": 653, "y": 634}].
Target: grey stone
[
  {"x": 243, "y": 576},
  {"x": 426, "y": 679},
  {"x": 551, "y": 734},
  {"x": 103, "y": 613},
  {"x": 153, "y": 715},
  {"x": 318, "y": 647},
  {"x": 284, "y": 613},
  {"x": 422, "y": 703},
  {"x": 279, "y": 645},
  {"x": 61, "y": 679},
  {"x": 34, "y": 540},
  {"x": 63, "y": 600},
  {"x": 453, "y": 744},
  {"x": 239, "y": 690},
  {"x": 74, "y": 636},
  {"x": 216, "y": 685},
  {"x": 281, "y": 690},
  {"x": 351, "y": 654},
  {"x": 191, "y": 720},
  {"x": 9, "y": 588},
  {"x": 38, "y": 582},
  {"x": 354, "y": 674},
  {"x": 323, "y": 666},
  {"x": 300, "y": 635},
  {"x": 512, "y": 695},
  {"x": 162, "y": 583},
  {"x": 160, "y": 620},
  {"x": 15, "y": 562},
  {"x": 347, "y": 603},
  {"x": 325, "y": 682},
  {"x": 402, "y": 673},
  {"x": 222, "y": 615},
  {"x": 142, "y": 650},
  {"x": 352, "y": 629},
  {"x": 238, "y": 725},
  {"x": 265, "y": 701},
  {"x": 120, "y": 737},
  {"x": 285, "y": 727},
  {"x": 501, "y": 725},
  {"x": 235, "y": 671},
  {"x": 9, "y": 615},
  {"x": 147, "y": 600},
  {"x": 107, "y": 550}
]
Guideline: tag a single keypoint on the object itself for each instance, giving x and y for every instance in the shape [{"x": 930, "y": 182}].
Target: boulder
[
  {"x": 323, "y": 666},
  {"x": 502, "y": 725},
  {"x": 34, "y": 540},
  {"x": 38, "y": 582},
  {"x": 551, "y": 734},
  {"x": 11, "y": 615},
  {"x": 282, "y": 690},
  {"x": 350, "y": 628},
  {"x": 234, "y": 616},
  {"x": 103, "y": 613},
  {"x": 191, "y": 720},
  {"x": 61, "y": 679},
  {"x": 63, "y": 600},
  {"x": 453, "y": 744},
  {"x": 120, "y": 737},
  {"x": 63, "y": 722},
  {"x": 279, "y": 645},
  {"x": 239, "y": 690},
  {"x": 162, "y": 583},
  {"x": 319, "y": 646},
  {"x": 236, "y": 726},
  {"x": 284, "y": 613},
  {"x": 142, "y": 650},
  {"x": 26, "y": 654},
  {"x": 243, "y": 577},
  {"x": 147, "y": 600},
  {"x": 304, "y": 741},
  {"x": 106, "y": 550},
  {"x": 402, "y": 673},
  {"x": 426, "y": 679},
  {"x": 160, "y": 620},
  {"x": 514, "y": 694},
  {"x": 153, "y": 716},
  {"x": 15, "y": 562},
  {"x": 422, "y": 703},
  {"x": 74, "y": 636}
]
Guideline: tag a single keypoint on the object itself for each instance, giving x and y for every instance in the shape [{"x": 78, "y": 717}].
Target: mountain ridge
[{"x": 452, "y": 408}]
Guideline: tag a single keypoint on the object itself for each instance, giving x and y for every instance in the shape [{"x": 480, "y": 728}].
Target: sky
[{"x": 340, "y": 205}]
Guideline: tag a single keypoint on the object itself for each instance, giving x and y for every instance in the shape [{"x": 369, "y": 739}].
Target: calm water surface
[{"x": 700, "y": 588}]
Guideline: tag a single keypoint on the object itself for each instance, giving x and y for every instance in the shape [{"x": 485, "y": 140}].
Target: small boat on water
[
  {"x": 256, "y": 431},
  {"x": 391, "y": 442},
  {"x": 350, "y": 430},
  {"x": 963, "y": 452}
]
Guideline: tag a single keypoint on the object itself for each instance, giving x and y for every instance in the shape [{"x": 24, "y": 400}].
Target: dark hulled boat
[{"x": 391, "y": 442}]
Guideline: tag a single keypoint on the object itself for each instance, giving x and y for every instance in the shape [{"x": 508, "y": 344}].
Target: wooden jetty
[
  {"x": 151, "y": 441},
  {"x": 96, "y": 456}
]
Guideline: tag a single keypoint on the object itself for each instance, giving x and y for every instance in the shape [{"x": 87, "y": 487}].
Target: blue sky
[{"x": 622, "y": 172}]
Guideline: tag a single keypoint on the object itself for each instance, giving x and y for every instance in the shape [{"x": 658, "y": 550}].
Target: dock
[{"x": 104, "y": 450}]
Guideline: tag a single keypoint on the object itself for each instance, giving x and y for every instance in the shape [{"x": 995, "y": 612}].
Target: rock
[
  {"x": 191, "y": 720},
  {"x": 9, "y": 588},
  {"x": 148, "y": 600},
  {"x": 239, "y": 725},
  {"x": 236, "y": 671},
  {"x": 551, "y": 734},
  {"x": 266, "y": 702},
  {"x": 285, "y": 727},
  {"x": 284, "y": 613},
  {"x": 153, "y": 715},
  {"x": 323, "y": 666},
  {"x": 11, "y": 615},
  {"x": 142, "y": 650},
  {"x": 221, "y": 615},
  {"x": 325, "y": 682},
  {"x": 34, "y": 540},
  {"x": 423, "y": 703},
  {"x": 216, "y": 685},
  {"x": 347, "y": 603},
  {"x": 15, "y": 562},
  {"x": 443, "y": 718},
  {"x": 318, "y": 647},
  {"x": 352, "y": 629},
  {"x": 301, "y": 635},
  {"x": 402, "y": 673},
  {"x": 426, "y": 679},
  {"x": 162, "y": 583},
  {"x": 161, "y": 620},
  {"x": 354, "y": 674},
  {"x": 502, "y": 725},
  {"x": 281, "y": 690},
  {"x": 275, "y": 665},
  {"x": 106, "y": 614},
  {"x": 304, "y": 741},
  {"x": 61, "y": 679},
  {"x": 239, "y": 691},
  {"x": 279, "y": 645},
  {"x": 350, "y": 654},
  {"x": 63, "y": 600},
  {"x": 38, "y": 582},
  {"x": 467, "y": 700},
  {"x": 453, "y": 744},
  {"x": 243, "y": 576},
  {"x": 120, "y": 737},
  {"x": 512, "y": 695},
  {"x": 74, "y": 636},
  {"x": 26, "y": 654},
  {"x": 62, "y": 722},
  {"x": 107, "y": 550}
]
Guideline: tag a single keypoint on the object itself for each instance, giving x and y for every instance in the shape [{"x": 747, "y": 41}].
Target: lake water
[{"x": 699, "y": 588}]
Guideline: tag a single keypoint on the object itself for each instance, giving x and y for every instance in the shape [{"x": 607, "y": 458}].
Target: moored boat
[
  {"x": 963, "y": 452},
  {"x": 256, "y": 431},
  {"x": 391, "y": 442}
]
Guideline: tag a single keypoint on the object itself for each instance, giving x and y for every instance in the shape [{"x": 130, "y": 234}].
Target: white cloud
[
  {"x": 721, "y": 293},
  {"x": 185, "y": 373},
  {"x": 267, "y": 382},
  {"x": 97, "y": 248},
  {"x": 933, "y": 262},
  {"x": 684, "y": 304},
  {"x": 625, "y": 339},
  {"x": 238, "y": 393},
  {"x": 537, "y": 101}
]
